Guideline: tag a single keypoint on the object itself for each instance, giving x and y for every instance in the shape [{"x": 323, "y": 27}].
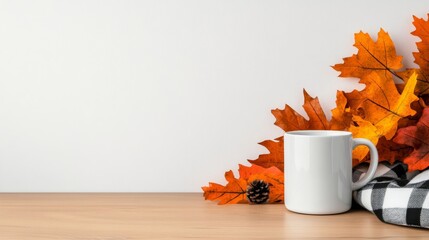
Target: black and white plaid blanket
[{"x": 395, "y": 196}]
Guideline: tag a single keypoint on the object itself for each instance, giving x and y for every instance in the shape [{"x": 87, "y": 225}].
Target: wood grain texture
[{"x": 175, "y": 216}]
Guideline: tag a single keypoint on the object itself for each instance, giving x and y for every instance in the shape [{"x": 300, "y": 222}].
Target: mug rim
[{"x": 318, "y": 133}]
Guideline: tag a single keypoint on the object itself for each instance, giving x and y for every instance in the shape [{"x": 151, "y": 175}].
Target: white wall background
[{"x": 165, "y": 95}]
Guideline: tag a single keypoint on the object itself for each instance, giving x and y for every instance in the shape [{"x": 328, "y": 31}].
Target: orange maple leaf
[
  {"x": 275, "y": 155},
  {"x": 421, "y": 57},
  {"x": 381, "y": 104},
  {"x": 375, "y": 111},
  {"x": 235, "y": 190},
  {"x": 315, "y": 113},
  {"x": 379, "y": 56},
  {"x": 422, "y": 31},
  {"x": 378, "y": 108},
  {"x": 341, "y": 115},
  {"x": 289, "y": 120},
  {"x": 416, "y": 137}
]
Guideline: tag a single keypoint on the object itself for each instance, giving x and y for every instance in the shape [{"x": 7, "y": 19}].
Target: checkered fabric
[{"x": 395, "y": 196}]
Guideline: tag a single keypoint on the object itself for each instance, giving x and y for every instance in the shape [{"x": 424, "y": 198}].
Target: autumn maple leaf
[
  {"x": 416, "y": 137},
  {"x": 236, "y": 188},
  {"x": 375, "y": 111},
  {"x": 233, "y": 192},
  {"x": 379, "y": 56},
  {"x": 422, "y": 31},
  {"x": 381, "y": 104},
  {"x": 421, "y": 58},
  {"x": 289, "y": 120},
  {"x": 275, "y": 155},
  {"x": 341, "y": 115}
]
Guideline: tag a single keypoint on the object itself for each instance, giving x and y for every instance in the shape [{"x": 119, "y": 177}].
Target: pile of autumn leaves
[{"x": 394, "y": 116}]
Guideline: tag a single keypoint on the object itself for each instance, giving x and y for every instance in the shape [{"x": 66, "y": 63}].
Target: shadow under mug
[{"x": 318, "y": 170}]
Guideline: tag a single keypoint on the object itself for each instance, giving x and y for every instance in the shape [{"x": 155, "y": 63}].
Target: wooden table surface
[{"x": 176, "y": 216}]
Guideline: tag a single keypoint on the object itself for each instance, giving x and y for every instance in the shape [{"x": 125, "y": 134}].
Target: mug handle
[{"x": 372, "y": 166}]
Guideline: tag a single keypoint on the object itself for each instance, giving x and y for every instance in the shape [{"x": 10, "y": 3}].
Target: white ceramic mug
[{"x": 318, "y": 170}]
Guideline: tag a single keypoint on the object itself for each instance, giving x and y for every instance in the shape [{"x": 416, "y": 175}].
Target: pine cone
[{"x": 258, "y": 192}]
